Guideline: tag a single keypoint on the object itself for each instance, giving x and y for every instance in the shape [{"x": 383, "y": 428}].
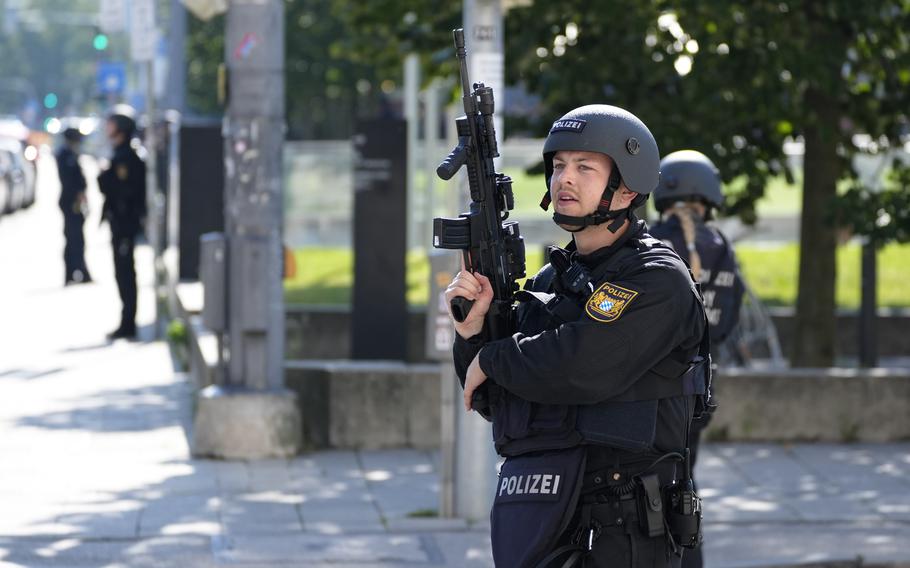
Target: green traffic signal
[
  {"x": 100, "y": 42},
  {"x": 50, "y": 100}
]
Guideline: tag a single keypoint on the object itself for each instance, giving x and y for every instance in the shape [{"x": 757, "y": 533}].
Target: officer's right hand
[{"x": 473, "y": 286}]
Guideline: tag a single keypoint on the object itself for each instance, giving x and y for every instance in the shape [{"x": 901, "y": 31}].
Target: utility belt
[
  {"x": 654, "y": 500},
  {"x": 543, "y": 498}
]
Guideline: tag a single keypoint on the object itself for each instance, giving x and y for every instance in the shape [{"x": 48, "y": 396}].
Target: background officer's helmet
[
  {"x": 124, "y": 116},
  {"x": 612, "y": 131},
  {"x": 71, "y": 134},
  {"x": 688, "y": 175}
]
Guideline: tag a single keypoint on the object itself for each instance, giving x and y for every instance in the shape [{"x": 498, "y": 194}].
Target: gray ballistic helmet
[
  {"x": 124, "y": 116},
  {"x": 688, "y": 175},
  {"x": 620, "y": 135}
]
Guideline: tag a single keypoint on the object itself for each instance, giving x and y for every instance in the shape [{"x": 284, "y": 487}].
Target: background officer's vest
[{"x": 721, "y": 284}]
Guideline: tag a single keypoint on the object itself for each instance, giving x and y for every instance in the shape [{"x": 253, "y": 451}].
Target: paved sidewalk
[{"x": 95, "y": 468}]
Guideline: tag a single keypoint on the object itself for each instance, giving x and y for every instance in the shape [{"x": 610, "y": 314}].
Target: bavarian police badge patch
[
  {"x": 123, "y": 172},
  {"x": 607, "y": 303}
]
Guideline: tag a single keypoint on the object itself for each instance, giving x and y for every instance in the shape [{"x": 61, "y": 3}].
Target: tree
[
  {"x": 735, "y": 80},
  {"x": 46, "y": 50},
  {"x": 334, "y": 73}
]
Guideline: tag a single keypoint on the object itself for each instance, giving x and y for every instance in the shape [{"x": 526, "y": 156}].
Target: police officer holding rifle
[{"x": 591, "y": 374}]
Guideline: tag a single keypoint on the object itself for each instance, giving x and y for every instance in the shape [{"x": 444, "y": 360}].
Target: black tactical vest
[
  {"x": 628, "y": 421},
  {"x": 721, "y": 284}
]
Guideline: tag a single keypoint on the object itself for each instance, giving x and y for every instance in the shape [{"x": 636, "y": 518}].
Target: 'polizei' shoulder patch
[{"x": 608, "y": 302}]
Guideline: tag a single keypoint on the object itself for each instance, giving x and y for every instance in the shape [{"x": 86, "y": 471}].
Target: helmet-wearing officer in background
[
  {"x": 593, "y": 395},
  {"x": 123, "y": 187},
  {"x": 686, "y": 198},
  {"x": 73, "y": 204}
]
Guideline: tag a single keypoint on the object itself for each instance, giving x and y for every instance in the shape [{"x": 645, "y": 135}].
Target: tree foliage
[
  {"x": 343, "y": 60},
  {"x": 736, "y": 81},
  {"x": 45, "y": 50}
]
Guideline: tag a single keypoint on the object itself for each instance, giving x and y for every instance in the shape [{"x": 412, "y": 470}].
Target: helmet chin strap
[{"x": 600, "y": 216}]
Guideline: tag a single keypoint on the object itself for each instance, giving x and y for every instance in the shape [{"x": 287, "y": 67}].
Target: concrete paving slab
[
  {"x": 246, "y": 517},
  {"x": 744, "y": 507},
  {"x": 771, "y": 466},
  {"x": 400, "y": 501},
  {"x": 832, "y": 507},
  {"x": 854, "y": 467},
  {"x": 426, "y": 524},
  {"x": 338, "y": 464},
  {"x": 340, "y": 527},
  {"x": 231, "y": 476},
  {"x": 396, "y": 461},
  {"x": 389, "y": 550},
  {"x": 107, "y": 519},
  {"x": 161, "y": 552},
  {"x": 340, "y": 512},
  {"x": 715, "y": 472},
  {"x": 180, "y": 514},
  {"x": 730, "y": 546},
  {"x": 328, "y": 490},
  {"x": 270, "y": 474},
  {"x": 468, "y": 549}
]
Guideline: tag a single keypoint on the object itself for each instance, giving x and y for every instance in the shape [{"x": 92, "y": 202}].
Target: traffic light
[
  {"x": 100, "y": 41},
  {"x": 50, "y": 100}
]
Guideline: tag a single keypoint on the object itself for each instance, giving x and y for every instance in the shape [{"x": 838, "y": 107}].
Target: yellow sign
[{"x": 607, "y": 303}]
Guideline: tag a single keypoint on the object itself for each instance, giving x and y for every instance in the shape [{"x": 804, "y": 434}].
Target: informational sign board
[
  {"x": 380, "y": 310},
  {"x": 143, "y": 35}
]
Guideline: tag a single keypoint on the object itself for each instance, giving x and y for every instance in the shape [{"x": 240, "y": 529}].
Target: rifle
[{"x": 490, "y": 244}]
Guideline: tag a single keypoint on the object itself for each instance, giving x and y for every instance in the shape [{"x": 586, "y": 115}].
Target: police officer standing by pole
[
  {"x": 687, "y": 196},
  {"x": 73, "y": 204},
  {"x": 591, "y": 398},
  {"x": 123, "y": 187}
]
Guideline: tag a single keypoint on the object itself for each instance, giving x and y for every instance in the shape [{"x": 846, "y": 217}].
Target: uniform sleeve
[
  {"x": 464, "y": 351},
  {"x": 140, "y": 203},
  {"x": 106, "y": 180},
  {"x": 77, "y": 172},
  {"x": 591, "y": 360}
]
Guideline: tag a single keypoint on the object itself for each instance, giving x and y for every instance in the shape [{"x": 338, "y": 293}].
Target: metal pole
[
  {"x": 484, "y": 29},
  {"x": 475, "y": 457},
  {"x": 249, "y": 414},
  {"x": 152, "y": 195},
  {"x": 432, "y": 155},
  {"x": 412, "y": 115},
  {"x": 868, "y": 357},
  {"x": 176, "y": 75},
  {"x": 449, "y": 407},
  {"x": 254, "y": 138}
]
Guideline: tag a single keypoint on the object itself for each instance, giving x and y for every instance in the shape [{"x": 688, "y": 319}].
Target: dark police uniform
[
  {"x": 123, "y": 187},
  {"x": 721, "y": 284},
  {"x": 597, "y": 384},
  {"x": 72, "y": 186},
  {"x": 686, "y": 176}
]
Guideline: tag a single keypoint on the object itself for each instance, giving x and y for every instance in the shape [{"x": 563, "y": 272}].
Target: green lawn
[{"x": 325, "y": 275}]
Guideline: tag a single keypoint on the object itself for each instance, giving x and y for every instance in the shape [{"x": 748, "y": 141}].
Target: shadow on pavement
[
  {"x": 30, "y": 374},
  {"x": 124, "y": 410}
]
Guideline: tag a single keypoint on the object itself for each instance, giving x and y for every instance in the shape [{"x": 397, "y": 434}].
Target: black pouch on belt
[
  {"x": 535, "y": 499},
  {"x": 650, "y": 505}
]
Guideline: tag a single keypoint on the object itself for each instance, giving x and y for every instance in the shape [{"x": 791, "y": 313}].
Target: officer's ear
[{"x": 624, "y": 196}]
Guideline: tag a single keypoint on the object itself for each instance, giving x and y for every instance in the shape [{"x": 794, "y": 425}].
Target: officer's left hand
[{"x": 473, "y": 379}]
